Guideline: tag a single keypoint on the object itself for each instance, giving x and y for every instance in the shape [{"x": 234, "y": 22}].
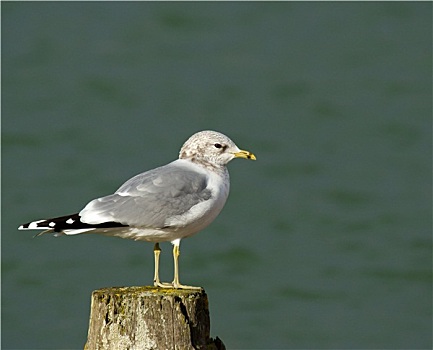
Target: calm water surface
[{"x": 325, "y": 241}]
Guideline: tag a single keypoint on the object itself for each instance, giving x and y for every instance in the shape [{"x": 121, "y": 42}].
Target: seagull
[{"x": 168, "y": 203}]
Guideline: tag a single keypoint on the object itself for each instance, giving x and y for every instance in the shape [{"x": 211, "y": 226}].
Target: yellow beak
[{"x": 245, "y": 154}]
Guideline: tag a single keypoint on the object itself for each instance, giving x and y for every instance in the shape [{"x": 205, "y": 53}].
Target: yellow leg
[
  {"x": 156, "y": 281},
  {"x": 156, "y": 253},
  {"x": 176, "y": 283}
]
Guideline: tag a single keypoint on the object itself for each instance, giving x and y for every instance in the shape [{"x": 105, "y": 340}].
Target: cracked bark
[{"x": 150, "y": 318}]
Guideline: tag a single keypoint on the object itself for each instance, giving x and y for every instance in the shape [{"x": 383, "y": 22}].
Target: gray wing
[{"x": 150, "y": 199}]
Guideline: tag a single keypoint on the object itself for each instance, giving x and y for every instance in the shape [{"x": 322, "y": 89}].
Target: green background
[{"x": 325, "y": 241}]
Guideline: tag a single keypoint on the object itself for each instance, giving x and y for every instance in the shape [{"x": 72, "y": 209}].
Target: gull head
[{"x": 212, "y": 148}]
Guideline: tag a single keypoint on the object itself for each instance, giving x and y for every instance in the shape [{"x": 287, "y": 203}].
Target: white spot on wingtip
[
  {"x": 70, "y": 221},
  {"x": 52, "y": 224},
  {"x": 34, "y": 225}
]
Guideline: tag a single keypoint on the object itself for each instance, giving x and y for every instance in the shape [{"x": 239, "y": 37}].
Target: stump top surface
[{"x": 149, "y": 290}]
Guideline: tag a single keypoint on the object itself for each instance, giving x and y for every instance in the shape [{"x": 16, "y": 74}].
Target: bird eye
[{"x": 217, "y": 145}]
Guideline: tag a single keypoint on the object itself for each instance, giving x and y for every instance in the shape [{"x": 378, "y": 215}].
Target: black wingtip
[{"x": 67, "y": 222}]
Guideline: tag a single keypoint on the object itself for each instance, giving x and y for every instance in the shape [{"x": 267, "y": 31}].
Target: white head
[{"x": 212, "y": 148}]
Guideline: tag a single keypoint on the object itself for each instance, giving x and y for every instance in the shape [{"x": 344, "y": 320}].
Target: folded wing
[{"x": 150, "y": 199}]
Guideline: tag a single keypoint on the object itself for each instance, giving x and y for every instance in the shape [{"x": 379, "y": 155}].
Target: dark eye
[{"x": 217, "y": 145}]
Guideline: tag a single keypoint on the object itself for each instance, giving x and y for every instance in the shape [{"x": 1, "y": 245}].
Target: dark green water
[{"x": 325, "y": 241}]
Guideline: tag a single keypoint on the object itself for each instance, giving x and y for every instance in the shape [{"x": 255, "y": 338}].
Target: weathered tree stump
[{"x": 150, "y": 318}]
